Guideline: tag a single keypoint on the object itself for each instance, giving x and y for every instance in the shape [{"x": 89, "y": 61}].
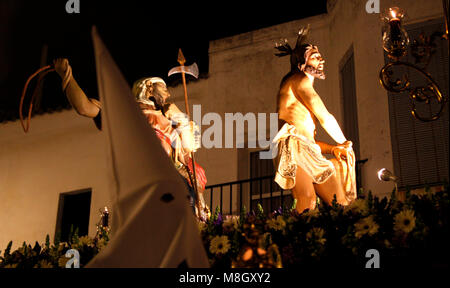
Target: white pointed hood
[{"x": 153, "y": 224}]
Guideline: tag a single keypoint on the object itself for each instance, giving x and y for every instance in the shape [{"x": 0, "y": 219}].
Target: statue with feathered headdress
[
  {"x": 300, "y": 164},
  {"x": 300, "y": 54}
]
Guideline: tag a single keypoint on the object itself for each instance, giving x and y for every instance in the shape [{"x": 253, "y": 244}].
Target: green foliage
[
  {"x": 216, "y": 213},
  {"x": 242, "y": 215},
  {"x": 8, "y": 249},
  {"x": 259, "y": 211},
  {"x": 370, "y": 199},
  {"x": 57, "y": 238},
  {"x": 53, "y": 256},
  {"x": 47, "y": 242},
  {"x": 334, "y": 203},
  {"x": 294, "y": 204},
  {"x": 74, "y": 238}
]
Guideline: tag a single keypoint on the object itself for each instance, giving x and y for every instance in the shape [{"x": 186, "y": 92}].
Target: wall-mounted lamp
[
  {"x": 395, "y": 43},
  {"x": 386, "y": 175},
  {"x": 395, "y": 38}
]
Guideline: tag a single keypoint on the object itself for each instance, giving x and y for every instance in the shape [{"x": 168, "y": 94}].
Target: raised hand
[{"x": 61, "y": 66}]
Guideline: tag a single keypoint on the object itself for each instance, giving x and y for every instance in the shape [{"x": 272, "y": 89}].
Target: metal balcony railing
[
  {"x": 257, "y": 186},
  {"x": 261, "y": 190}
]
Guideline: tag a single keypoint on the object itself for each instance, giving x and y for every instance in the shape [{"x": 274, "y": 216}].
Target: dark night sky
[{"x": 143, "y": 38}]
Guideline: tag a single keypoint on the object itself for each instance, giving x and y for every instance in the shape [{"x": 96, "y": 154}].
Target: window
[
  {"x": 73, "y": 213},
  {"x": 420, "y": 149},
  {"x": 261, "y": 189},
  {"x": 350, "y": 108}
]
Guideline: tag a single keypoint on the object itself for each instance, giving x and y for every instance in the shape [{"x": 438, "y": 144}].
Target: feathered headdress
[{"x": 301, "y": 51}]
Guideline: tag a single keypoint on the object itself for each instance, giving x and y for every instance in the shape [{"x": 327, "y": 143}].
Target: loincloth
[{"x": 295, "y": 150}]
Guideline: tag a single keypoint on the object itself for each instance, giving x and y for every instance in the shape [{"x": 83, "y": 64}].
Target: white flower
[
  {"x": 366, "y": 226},
  {"x": 358, "y": 206},
  {"x": 219, "y": 245},
  {"x": 201, "y": 226},
  {"x": 317, "y": 234},
  {"x": 85, "y": 241},
  {"x": 405, "y": 221},
  {"x": 231, "y": 221},
  {"x": 101, "y": 243},
  {"x": 312, "y": 213},
  {"x": 277, "y": 224}
]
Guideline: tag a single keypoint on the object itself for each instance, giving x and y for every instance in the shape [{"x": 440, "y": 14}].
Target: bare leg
[
  {"x": 334, "y": 185},
  {"x": 304, "y": 191}
]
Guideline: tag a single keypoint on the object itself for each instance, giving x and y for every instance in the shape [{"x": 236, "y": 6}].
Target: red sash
[
  {"x": 200, "y": 173},
  {"x": 162, "y": 137}
]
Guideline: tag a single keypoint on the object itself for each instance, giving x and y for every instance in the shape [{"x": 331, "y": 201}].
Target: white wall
[{"x": 62, "y": 152}]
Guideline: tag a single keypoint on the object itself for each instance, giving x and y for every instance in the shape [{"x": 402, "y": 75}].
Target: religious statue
[{"x": 300, "y": 164}]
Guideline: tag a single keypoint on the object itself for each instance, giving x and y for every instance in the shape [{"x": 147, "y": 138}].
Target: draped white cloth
[
  {"x": 292, "y": 150},
  {"x": 152, "y": 222},
  {"x": 297, "y": 150}
]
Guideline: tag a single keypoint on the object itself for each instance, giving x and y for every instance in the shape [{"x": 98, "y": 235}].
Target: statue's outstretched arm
[
  {"x": 312, "y": 100},
  {"x": 84, "y": 106}
]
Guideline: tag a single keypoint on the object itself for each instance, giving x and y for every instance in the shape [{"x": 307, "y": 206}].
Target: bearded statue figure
[{"x": 300, "y": 163}]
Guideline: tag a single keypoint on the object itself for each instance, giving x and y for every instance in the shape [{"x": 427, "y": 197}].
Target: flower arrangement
[
  {"x": 53, "y": 255},
  {"x": 412, "y": 233}
]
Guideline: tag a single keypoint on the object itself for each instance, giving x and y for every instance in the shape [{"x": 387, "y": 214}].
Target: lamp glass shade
[{"x": 395, "y": 37}]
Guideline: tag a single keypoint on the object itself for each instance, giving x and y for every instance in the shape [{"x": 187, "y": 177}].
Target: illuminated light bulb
[
  {"x": 395, "y": 38},
  {"x": 105, "y": 217},
  {"x": 386, "y": 175}
]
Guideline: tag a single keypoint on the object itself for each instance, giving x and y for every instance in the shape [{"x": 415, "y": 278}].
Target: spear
[{"x": 191, "y": 70}]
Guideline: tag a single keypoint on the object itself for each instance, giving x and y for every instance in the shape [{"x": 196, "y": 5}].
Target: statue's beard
[
  {"x": 316, "y": 73},
  {"x": 158, "y": 99}
]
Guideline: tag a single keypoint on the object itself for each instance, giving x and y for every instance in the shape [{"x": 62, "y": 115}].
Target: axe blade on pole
[{"x": 191, "y": 70}]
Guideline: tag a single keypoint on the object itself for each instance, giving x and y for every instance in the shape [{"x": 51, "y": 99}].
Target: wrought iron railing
[
  {"x": 242, "y": 186},
  {"x": 260, "y": 189}
]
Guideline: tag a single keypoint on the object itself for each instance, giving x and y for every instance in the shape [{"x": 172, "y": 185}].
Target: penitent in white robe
[{"x": 152, "y": 224}]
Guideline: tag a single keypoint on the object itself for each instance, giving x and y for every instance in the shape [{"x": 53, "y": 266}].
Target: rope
[{"x": 46, "y": 70}]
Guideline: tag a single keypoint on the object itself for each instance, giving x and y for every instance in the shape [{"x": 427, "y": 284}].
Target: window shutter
[
  {"x": 349, "y": 101},
  {"x": 420, "y": 149}
]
